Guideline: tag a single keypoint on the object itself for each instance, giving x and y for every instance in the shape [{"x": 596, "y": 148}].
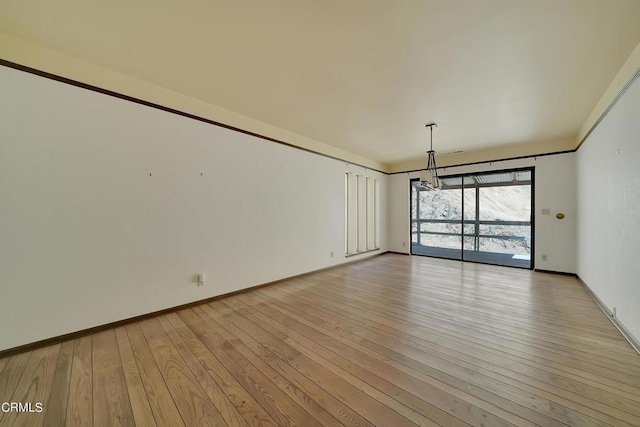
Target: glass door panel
[
  {"x": 470, "y": 237},
  {"x": 505, "y": 215},
  {"x": 436, "y": 220}
]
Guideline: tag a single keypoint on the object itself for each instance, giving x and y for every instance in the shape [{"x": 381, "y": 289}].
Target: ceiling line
[
  {"x": 480, "y": 162},
  {"x": 610, "y": 106},
  {"x": 129, "y": 98}
]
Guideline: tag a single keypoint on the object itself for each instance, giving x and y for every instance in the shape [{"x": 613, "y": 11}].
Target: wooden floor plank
[
  {"x": 161, "y": 402},
  {"x": 334, "y": 363},
  {"x": 111, "y": 403},
  {"x": 227, "y": 410},
  {"x": 523, "y": 331},
  {"x": 80, "y": 401},
  {"x": 466, "y": 407},
  {"x": 263, "y": 390},
  {"x": 3, "y": 363},
  {"x": 56, "y": 407},
  {"x": 478, "y": 335},
  {"x": 260, "y": 357},
  {"x": 269, "y": 346},
  {"x": 192, "y": 401},
  {"x": 489, "y": 364},
  {"x": 11, "y": 376},
  {"x": 252, "y": 412},
  {"x": 492, "y": 312},
  {"x": 34, "y": 387},
  {"x": 391, "y": 340},
  {"x": 564, "y": 410},
  {"x": 137, "y": 395},
  {"x": 466, "y": 344}
]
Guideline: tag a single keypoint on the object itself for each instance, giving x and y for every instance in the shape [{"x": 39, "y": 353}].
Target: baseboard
[
  {"x": 623, "y": 330},
  {"x": 84, "y": 332},
  {"x": 562, "y": 273},
  {"x": 397, "y": 253}
]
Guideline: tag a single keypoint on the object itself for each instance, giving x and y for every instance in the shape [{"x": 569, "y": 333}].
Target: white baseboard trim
[{"x": 624, "y": 331}]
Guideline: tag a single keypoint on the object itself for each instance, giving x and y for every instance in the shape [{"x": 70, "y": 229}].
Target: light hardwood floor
[{"x": 390, "y": 341}]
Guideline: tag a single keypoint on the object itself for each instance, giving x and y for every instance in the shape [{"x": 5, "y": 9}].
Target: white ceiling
[{"x": 362, "y": 75}]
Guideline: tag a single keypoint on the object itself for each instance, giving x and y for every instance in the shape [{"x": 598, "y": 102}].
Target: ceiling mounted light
[{"x": 429, "y": 178}]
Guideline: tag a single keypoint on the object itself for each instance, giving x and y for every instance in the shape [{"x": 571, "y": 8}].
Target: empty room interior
[{"x": 371, "y": 213}]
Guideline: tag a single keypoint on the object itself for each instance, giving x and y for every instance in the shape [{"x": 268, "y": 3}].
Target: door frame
[{"x": 461, "y": 176}]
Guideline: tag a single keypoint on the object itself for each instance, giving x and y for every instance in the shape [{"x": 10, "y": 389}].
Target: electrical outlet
[
  {"x": 331, "y": 254},
  {"x": 544, "y": 257},
  {"x": 614, "y": 312},
  {"x": 201, "y": 279}
]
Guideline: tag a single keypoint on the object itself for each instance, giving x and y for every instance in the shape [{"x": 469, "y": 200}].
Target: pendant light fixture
[{"x": 429, "y": 178}]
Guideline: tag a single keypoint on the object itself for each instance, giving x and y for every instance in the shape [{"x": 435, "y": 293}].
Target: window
[
  {"x": 376, "y": 218},
  {"x": 362, "y": 208},
  {"x": 350, "y": 210},
  {"x": 370, "y": 220}
]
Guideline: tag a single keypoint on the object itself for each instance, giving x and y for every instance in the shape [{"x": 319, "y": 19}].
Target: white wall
[
  {"x": 608, "y": 186},
  {"x": 88, "y": 237},
  {"x": 399, "y": 239},
  {"x": 554, "y": 190}
]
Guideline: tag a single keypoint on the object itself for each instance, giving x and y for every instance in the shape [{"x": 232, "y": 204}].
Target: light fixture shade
[
  {"x": 426, "y": 179},
  {"x": 429, "y": 181},
  {"x": 429, "y": 178}
]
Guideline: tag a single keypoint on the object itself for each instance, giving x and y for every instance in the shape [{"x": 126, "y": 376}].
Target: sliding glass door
[{"x": 483, "y": 217}]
